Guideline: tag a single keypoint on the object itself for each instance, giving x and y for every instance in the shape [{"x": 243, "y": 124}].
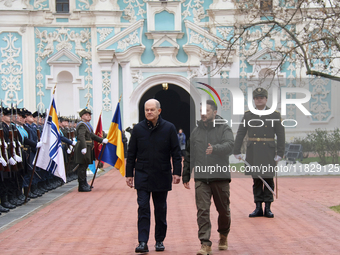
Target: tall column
[{"x": 127, "y": 91}]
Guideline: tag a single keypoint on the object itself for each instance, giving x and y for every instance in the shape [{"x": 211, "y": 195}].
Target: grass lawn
[
  {"x": 315, "y": 159},
  {"x": 336, "y": 208}
]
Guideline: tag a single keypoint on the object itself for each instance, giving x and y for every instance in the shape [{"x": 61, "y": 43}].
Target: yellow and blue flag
[
  {"x": 51, "y": 156},
  {"x": 113, "y": 154}
]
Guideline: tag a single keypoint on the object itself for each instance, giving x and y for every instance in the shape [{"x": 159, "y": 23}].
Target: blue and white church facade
[{"x": 98, "y": 50}]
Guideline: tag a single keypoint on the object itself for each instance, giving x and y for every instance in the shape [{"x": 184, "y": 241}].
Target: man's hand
[
  {"x": 105, "y": 140},
  {"x": 186, "y": 185},
  {"x": 17, "y": 158},
  {"x": 74, "y": 143},
  {"x": 209, "y": 150},
  {"x": 39, "y": 144},
  {"x": 238, "y": 156},
  {"x": 176, "y": 179},
  {"x": 277, "y": 158},
  {"x": 12, "y": 162},
  {"x": 3, "y": 161},
  {"x": 83, "y": 151},
  {"x": 129, "y": 181}
]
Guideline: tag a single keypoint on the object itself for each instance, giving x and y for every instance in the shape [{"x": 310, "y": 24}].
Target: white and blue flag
[{"x": 51, "y": 156}]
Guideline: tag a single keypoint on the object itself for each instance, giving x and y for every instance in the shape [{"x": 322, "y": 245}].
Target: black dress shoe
[
  {"x": 159, "y": 246},
  {"x": 142, "y": 247}
]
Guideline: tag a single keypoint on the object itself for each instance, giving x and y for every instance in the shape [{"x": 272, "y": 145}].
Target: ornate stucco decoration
[
  {"x": 319, "y": 106},
  {"x": 11, "y": 70},
  {"x": 121, "y": 45},
  {"x": 68, "y": 39},
  {"x": 106, "y": 91},
  {"x": 129, "y": 11},
  {"x": 104, "y": 32},
  {"x": 203, "y": 45}
]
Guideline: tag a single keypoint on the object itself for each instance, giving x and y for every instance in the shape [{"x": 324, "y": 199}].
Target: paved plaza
[{"x": 104, "y": 221}]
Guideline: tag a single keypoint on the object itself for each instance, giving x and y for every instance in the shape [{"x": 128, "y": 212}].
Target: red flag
[{"x": 99, "y": 132}]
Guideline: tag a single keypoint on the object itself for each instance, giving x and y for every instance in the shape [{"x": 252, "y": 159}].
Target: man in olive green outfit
[
  {"x": 209, "y": 148},
  {"x": 262, "y": 151},
  {"x": 83, "y": 151}
]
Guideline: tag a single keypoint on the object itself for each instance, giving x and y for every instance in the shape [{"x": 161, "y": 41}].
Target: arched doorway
[{"x": 176, "y": 103}]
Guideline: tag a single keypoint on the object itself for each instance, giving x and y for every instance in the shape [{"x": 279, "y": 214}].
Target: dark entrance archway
[{"x": 176, "y": 103}]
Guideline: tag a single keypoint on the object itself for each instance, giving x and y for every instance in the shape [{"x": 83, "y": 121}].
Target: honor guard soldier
[
  {"x": 84, "y": 154},
  {"x": 262, "y": 151}
]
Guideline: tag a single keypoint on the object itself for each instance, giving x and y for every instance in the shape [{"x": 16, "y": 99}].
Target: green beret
[
  {"x": 85, "y": 110},
  {"x": 260, "y": 92}
]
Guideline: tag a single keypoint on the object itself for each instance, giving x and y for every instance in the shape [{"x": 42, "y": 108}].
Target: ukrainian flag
[{"x": 113, "y": 152}]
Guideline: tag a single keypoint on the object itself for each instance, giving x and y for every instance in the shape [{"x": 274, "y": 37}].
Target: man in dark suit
[
  {"x": 152, "y": 144},
  {"x": 262, "y": 151}
]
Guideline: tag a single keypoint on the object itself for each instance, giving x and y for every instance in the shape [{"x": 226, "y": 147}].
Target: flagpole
[
  {"x": 100, "y": 158},
  {"x": 36, "y": 158},
  {"x": 101, "y": 154}
]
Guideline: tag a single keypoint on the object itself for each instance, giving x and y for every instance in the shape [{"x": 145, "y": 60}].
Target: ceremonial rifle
[
  {"x": 3, "y": 151},
  {"x": 11, "y": 140},
  {"x": 17, "y": 142}
]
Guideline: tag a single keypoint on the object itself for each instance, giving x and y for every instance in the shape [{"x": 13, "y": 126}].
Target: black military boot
[
  {"x": 83, "y": 187},
  {"x": 3, "y": 209},
  {"x": 30, "y": 194},
  {"x": 258, "y": 212},
  {"x": 267, "y": 211},
  {"x": 5, "y": 203}
]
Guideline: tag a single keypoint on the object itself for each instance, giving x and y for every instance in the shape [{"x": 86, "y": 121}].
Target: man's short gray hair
[{"x": 158, "y": 104}]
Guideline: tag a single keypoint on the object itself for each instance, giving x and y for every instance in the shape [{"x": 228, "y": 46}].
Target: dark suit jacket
[{"x": 149, "y": 155}]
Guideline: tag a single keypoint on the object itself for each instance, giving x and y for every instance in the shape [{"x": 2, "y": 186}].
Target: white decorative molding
[
  {"x": 40, "y": 4},
  {"x": 64, "y": 37},
  {"x": 197, "y": 10},
  {"x": 65, "y": 61},
  {"x": 130, "y": 40},
  {"x": 103, "y": 5},
  {"x": 11, "y": 70},
  {"x": 8, "y": 3},
  {"x": 137, "y": 76},
  {"x": 64, "y": 56},
  {"x": 265, "y": 59},
  {"x": 154, "y": 7},
  {"x": 129, "y": 11},
  {"x": 224, "y": 31},
  {"x": 107, "y": 55},
  {"x": 104, "y": 32},
  {"x": 319, "y": 107},
  {"x": 84, "y": 4},
  {"x": 106, "y": 91},
  {"x": 199, "y": 39}
]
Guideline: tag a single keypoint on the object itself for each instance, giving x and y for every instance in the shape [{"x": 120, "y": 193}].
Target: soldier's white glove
[
  {"x": 105, "y": 140},
  {"x": 3, "y": 161},
  {"x": 5, "y": 145},
  {"x": 238, "y": 156},
  {"x": 12, "y": 162},
  {"x": 83, "y": 151},
  {"x": 70, "y": 147},
  {"x": 68, "y": 151},
  {"x": 277, "y": 158},
  {"x": 17, "y": 158},
  {"x": 74, "y": 143},
  {"x": 14, "y": 145},
  {"x": 39, "y": 144}
]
